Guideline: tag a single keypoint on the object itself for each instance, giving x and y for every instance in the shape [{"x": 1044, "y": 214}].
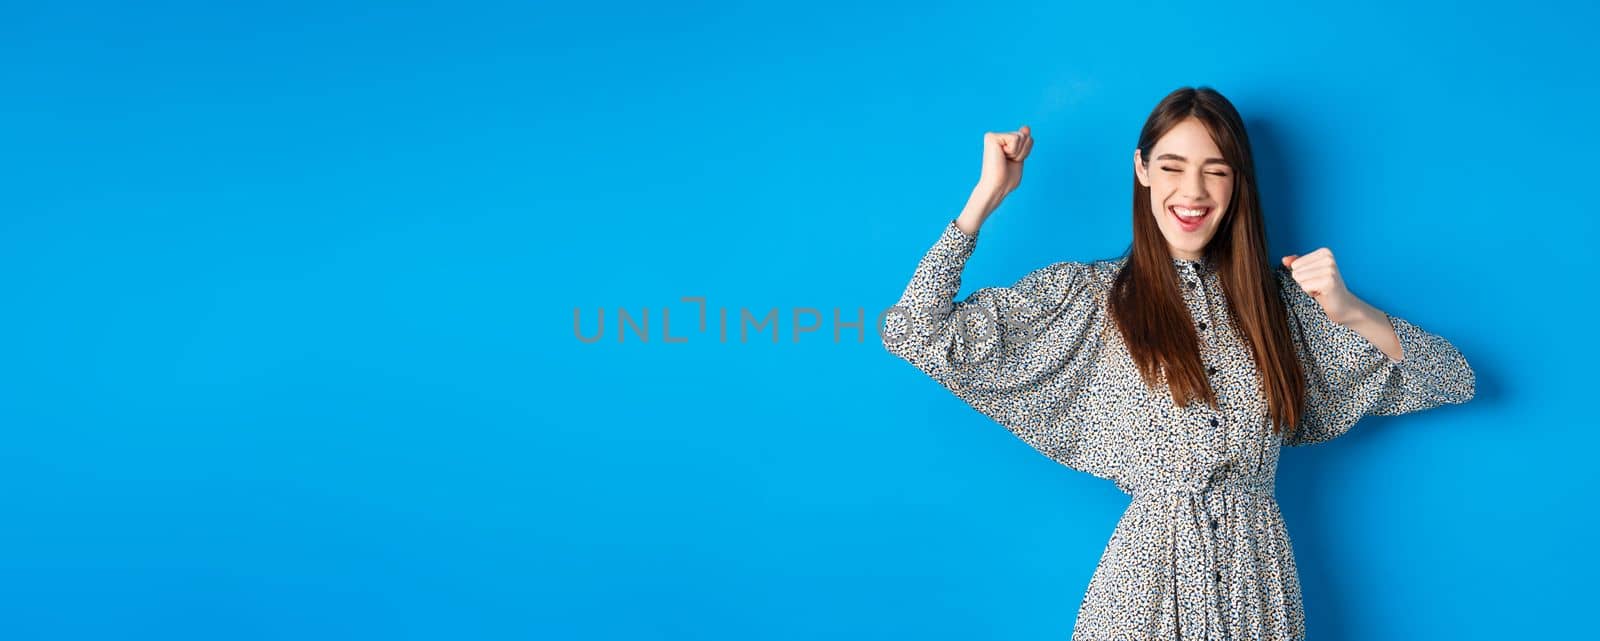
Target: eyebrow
[{"x": 1182, "y": 159}]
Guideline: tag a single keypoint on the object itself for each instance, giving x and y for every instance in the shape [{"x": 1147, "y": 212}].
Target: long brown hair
[{"x": 1145, "y": 301}]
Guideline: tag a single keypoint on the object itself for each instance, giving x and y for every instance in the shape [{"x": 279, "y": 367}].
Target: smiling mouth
[{"x": 1189, "y": 223}]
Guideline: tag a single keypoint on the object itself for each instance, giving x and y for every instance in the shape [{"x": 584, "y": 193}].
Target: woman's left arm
[
  {"x": 1373, "y": 324},
  {"x": 1318, "y": 276},
  {"x": 1359, "y": 360}
]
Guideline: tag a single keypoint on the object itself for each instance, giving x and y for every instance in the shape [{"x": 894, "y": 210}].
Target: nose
[{"x": 1194, "y": 185}]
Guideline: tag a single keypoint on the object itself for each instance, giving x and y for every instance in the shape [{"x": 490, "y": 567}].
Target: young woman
[{"x": 1176, "y": 371}]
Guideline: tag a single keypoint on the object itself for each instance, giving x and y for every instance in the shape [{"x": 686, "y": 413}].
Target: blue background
[{"x": 288, "y": 325}]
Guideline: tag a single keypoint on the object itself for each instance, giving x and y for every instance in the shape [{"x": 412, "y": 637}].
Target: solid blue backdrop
[{"x": 289, "y": 342}]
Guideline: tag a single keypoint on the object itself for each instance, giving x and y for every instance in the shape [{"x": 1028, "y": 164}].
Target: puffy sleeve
[
  {"x": 1022, "y": 355},
  {"x": 1347, "y": 377}
]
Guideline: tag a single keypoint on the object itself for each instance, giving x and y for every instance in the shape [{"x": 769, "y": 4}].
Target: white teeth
[{"x": 1188, "y": 213}]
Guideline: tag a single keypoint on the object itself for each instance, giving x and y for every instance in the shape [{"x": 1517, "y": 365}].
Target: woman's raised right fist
[{"x": 1003, "y": 153}]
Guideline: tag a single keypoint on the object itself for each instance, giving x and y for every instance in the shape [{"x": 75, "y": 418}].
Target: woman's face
[{"x": 1186, "y": 171}]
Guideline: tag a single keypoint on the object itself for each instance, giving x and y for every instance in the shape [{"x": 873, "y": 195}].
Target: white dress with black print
[{"x": 1201, "y": 551}]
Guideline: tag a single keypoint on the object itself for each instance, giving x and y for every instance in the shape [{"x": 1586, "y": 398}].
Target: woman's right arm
[
  {"x": 1024, "y": 355},
  {"x": 991, "y": 341},
  {"x": 943, "y": 338},
  {"x": 924, "y": 327}
]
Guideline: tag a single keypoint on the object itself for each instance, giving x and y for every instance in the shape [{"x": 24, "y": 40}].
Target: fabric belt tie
[{"x": 1194, "y": 546}]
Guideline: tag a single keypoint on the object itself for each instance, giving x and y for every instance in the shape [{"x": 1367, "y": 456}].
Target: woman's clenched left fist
[{"x": 1318, "y": 274}]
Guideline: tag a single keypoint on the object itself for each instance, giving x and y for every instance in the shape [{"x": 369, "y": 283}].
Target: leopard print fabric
[{"x": 1201, "y": 552}]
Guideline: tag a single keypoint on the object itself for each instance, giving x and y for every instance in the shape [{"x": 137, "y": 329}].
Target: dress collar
[{"x": 1204, "y": 264}]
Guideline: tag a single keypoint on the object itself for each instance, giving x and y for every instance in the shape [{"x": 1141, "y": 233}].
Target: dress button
[
  {"x": 1219, "y": 576},
  {"x": 1213, "y": 524},
  {"x": 1213, "y": 421},
  {"x": 1211, "y": 370},
  {"x": 1193, "y": 284},
  {"x": 1202, "y": 325}
]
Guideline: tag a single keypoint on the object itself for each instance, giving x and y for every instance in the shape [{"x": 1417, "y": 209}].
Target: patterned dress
[{"x": 1201, "y": 551}]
